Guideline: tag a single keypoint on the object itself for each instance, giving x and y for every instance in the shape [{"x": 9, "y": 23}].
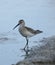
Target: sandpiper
[{"x": 26, "y": 31}]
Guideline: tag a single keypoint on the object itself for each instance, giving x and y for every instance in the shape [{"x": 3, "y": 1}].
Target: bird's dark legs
[{"x": 26, "y": 46}]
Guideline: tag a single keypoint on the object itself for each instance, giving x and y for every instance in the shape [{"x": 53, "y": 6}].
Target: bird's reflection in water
[{"x": 27, "y": 51}]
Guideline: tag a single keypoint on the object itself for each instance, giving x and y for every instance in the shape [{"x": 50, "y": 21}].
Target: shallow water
[{"x": 38, "y": 14}]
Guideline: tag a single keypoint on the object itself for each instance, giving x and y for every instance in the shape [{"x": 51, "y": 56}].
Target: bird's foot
[
  {"x": 23, "y": 49},
  {"x": 26, "y": 49}
]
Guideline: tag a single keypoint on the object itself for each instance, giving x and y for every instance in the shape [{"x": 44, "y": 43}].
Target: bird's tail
[{"x": 38, "y": 31}]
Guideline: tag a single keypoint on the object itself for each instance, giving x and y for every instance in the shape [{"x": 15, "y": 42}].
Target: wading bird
[{"x": 26, "y": 31}]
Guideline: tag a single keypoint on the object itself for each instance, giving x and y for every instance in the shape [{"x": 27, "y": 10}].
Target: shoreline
[{"x": 41, "y": 56}]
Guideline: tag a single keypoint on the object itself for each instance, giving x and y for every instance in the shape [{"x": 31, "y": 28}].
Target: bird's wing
[{"x": 30, "y": 29}]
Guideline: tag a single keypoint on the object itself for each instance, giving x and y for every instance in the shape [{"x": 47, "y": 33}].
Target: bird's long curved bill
[{"x": 15, "y": 26}]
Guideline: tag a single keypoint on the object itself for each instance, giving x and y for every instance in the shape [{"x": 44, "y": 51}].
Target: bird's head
[{"x": 20, "y": 22}]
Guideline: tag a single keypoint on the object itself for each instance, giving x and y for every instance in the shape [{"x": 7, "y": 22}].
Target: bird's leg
[{"x": 26, "y": 46}]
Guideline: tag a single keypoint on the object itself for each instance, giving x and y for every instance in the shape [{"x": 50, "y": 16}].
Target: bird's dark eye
[{"x": 21, "y": 21}]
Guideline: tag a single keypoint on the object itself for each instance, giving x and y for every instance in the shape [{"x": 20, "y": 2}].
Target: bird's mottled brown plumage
[{"x": 33, "y": 31}]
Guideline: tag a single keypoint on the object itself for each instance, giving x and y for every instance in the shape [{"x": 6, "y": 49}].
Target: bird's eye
[{"x": 20, "y": 22}]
